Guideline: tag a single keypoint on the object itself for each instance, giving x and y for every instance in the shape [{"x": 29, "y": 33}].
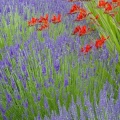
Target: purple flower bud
[
  {"x": 23, "y": 67},
  {"x": 13, "y": 83},
  {"x": 103, "y": 99},
  {"x": 8, "y": 98},
  {"x": 46, "y": 103},
  {"x": 25, "y": 104},
  {"x": 46, "y": 84},
  {"x": 8, "y": 10},
  {"x": 43, "y": 70},
  {"x": 20, "y": 77},
  {"x": 5, "y": 78},
  {"x": 26, "y": 74},
  {"x": 24, "y": 84},
  {"x": 2, "y": 110},
  {"x": 18, "y": 97},
  {"x": 2, "y": 64},
  {"x": 65, "y": 81},
  {"x": 4, "y": 117},
  {"x": 38, "y": 117},
  {"x": 11, "y": 52},
  {"x": 111, "y": 61},
  {"x": 116, "y": 58},
  {"x": 38, "y": 97},
  {"x": 7, "y": 62},
  {"x": 38, "y": 85},
  {"x": 25, "y": 17},
  {"x": 56, "y": 65},
  {"x": 51, "y": 80}
]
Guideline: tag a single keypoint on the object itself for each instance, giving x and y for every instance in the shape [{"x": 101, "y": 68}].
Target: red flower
[
  {"x": 43, "y": 19},
  {"x": 84, "y": 30},
  {"x": 86, "y": 49},
  {"x": 100, "y": 42},
  {"x": 33, "y": 21},
  {"x": 108, "y": 7},
  {"x": 82, "y": 15},
  {"x": 56, "y": 19},
  {"x": 76, "y": 30},
  {"x": 101, "y": 4},
  {"x": 43, "y": 27},
  {"x": 74, "y": 9}
]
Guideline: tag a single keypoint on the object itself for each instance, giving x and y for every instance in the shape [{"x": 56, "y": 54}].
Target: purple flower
[
  {"x": 38, "y": 117},
  {"x": 2, "y": 64},
  {"x": 38, "y": 85},
  {"x": 111, "y": 61},
  {"x": 24, "y": 84},
  {"x": 5, "y": 78},
  {"x": 66, "y": 81},
  {"x": 43, "y": 70},
  {"x": 56, "y": 65},
  {"x": 90, "y": 111},
  {"x": 23, "y": 67},
  {"x": 7, "y": 9},
  {"x": 51, "y": 80},
  {"x": 7, "y": 62},
  {"x": 38, "y": 97},
  {"x": 116, "y": 58},
  {"x": 25, "y": 104},
  {"x": 45, "y": 103},
  {"x": 20, "y": 77},
  {"x": 11, "y": 52},
  {"x": 8, "y": 98},
  {"x": 46, "y": 84},
  {"x": 4, "y": 117},
  {"x": 18, "y": 97},
  {"x": 13, "y": 83},
  {"x": 1, "y": 109}
]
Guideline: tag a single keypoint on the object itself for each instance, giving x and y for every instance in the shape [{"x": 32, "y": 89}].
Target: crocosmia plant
[{"x": 60, "y": 60}]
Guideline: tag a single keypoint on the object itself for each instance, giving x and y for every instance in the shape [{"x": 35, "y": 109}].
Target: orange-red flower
[
  {"x": 43, "y": 27},
  {"x": 74, "y": 9},
  {"x": 84, "y": 30},
  {"x": 86, "y": 49},
  {"x": 76, "y": 30},
  {"x": 56, "y": 19},
  {"x": 108, "y": 7},
  {"x": 33, "y": 21},
  {"x": 101, "y": 4},
  {"x": 82, "y": 15},
  {"x": 43, "y": 19},
  {"x": 100, "y": 42}
]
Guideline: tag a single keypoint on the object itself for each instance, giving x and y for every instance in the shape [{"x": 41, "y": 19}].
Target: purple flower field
[{"x": 47, "y": 73}]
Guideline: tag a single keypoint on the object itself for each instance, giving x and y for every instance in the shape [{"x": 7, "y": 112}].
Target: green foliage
[{"x": 108, "y": 26}]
